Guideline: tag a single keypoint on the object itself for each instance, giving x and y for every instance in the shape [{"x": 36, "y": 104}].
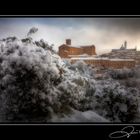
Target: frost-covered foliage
[
  {"x": 75, "y": 89},
  {"x": 35, "y": 82},
  {"x": 77, "y": 86},
  {"x": 32, "y": 31},
  {"x": 28, "y": 76},
  {"x": 44, "y": 45},
  {"x": 137, "y": 72},
  {"x": 106, "y": 97},
  {"x": 121, "y": 73},
  {"x": 115, "y": 102},
  {"x": 83, "y": 69}
]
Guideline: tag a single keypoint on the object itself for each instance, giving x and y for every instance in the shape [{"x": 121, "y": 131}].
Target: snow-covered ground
[{"x": 78, "y": 116}]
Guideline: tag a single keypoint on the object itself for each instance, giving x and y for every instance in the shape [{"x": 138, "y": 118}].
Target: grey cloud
[{"x": 105, "y": 33}]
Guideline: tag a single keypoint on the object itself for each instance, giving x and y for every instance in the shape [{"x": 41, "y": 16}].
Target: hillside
[{"x": 124, "y": 54}]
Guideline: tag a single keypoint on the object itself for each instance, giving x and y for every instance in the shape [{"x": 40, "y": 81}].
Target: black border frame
[{"x": 91, "y": 130}]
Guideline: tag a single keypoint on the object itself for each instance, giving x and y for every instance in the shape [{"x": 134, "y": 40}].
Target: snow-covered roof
[
  {"x": 93, "y": 58},
  {"x": 123, "y": 50},
  {"x": 79, "y": 46},
  {"x": 81, "y": 55},
  {"x": 89, "y": 58},
  {"x": 117, "y": 59}
]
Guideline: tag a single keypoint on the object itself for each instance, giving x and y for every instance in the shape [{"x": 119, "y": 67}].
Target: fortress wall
[
  {"x": 65, "y": 51},
  {"x": 117, "y": 64},
  {"x": 88, "y": 50}
]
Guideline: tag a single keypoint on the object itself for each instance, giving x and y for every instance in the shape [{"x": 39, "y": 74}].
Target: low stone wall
[
  {"x": 108, "y": 63},
  {"x": 121, "y": 64}
]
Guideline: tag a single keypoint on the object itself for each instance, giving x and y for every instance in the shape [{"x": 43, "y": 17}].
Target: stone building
[
  {"x": 87, "y": 54},
  {"x": 124, "y": 48},
  {"x": 124, "y": 53},
  {"x": 67, "y": 50}
]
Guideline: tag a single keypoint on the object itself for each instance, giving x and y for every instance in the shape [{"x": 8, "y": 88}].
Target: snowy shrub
[
  {"x": 121, "y": 73},
  {"x": 34, "y": 82},
  {"x": 83, "y": 69},
  {"x": 116, "y": 103},
  {"x": 133, "y": 82},
  {"x": 137, "y": 72},
  {"x": 75, "y": 89},
  {"x": 32, "y": 31},
  {"x": 27, "y": 79},
  {"x": 67, "y": 63},
  {"x": 44, "y": 45}
]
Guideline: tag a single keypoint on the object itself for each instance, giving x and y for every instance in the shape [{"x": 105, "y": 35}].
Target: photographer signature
[{"x": 125, "y": 132}]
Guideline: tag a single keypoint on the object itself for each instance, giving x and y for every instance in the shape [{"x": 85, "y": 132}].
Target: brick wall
[
  {"x": 89, "y": 50},
  {"x": 117, "y": 64},
  {"x": 65, "y": 50},
  {"x": 120, "y": 64}
]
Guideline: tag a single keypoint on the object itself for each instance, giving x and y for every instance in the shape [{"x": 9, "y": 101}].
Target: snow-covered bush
[
  {"x": 115, "y": 102},
  {"x": 32, "y": 31},
  {"x": 137, "y": 72},
  {"x": 121, "y": 73},
  {"x": 106, "y": 97},
  {"x": 83, "y": 68},
  {"x": 133, "y": 82},
  {"x": 75, "y": 89},
  {"x": 45, "y": 45},
  {"x": 35, "y": 83},
  {"x": 28, "y": 78}
]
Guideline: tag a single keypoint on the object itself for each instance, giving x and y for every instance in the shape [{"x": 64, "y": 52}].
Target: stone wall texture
[
  {"x": 68, "y": 51},
  {"x": 65, "y": 51},
  {"x": 115, "y": 64}
]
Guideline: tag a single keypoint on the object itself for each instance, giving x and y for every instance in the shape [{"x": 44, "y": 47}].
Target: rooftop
[
  {"x": 68, "y": 43},
  {"x": 93, "y": 58},
  {"x": 82, "y": 55}
]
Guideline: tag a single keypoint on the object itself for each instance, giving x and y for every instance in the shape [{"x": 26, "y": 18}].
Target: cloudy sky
[{"x": 104, "y": 33}]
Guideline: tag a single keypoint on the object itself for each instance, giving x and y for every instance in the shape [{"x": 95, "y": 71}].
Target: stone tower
[
  {"x": 125, "y": 44},
  {"x": 68, "y": 41}
]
